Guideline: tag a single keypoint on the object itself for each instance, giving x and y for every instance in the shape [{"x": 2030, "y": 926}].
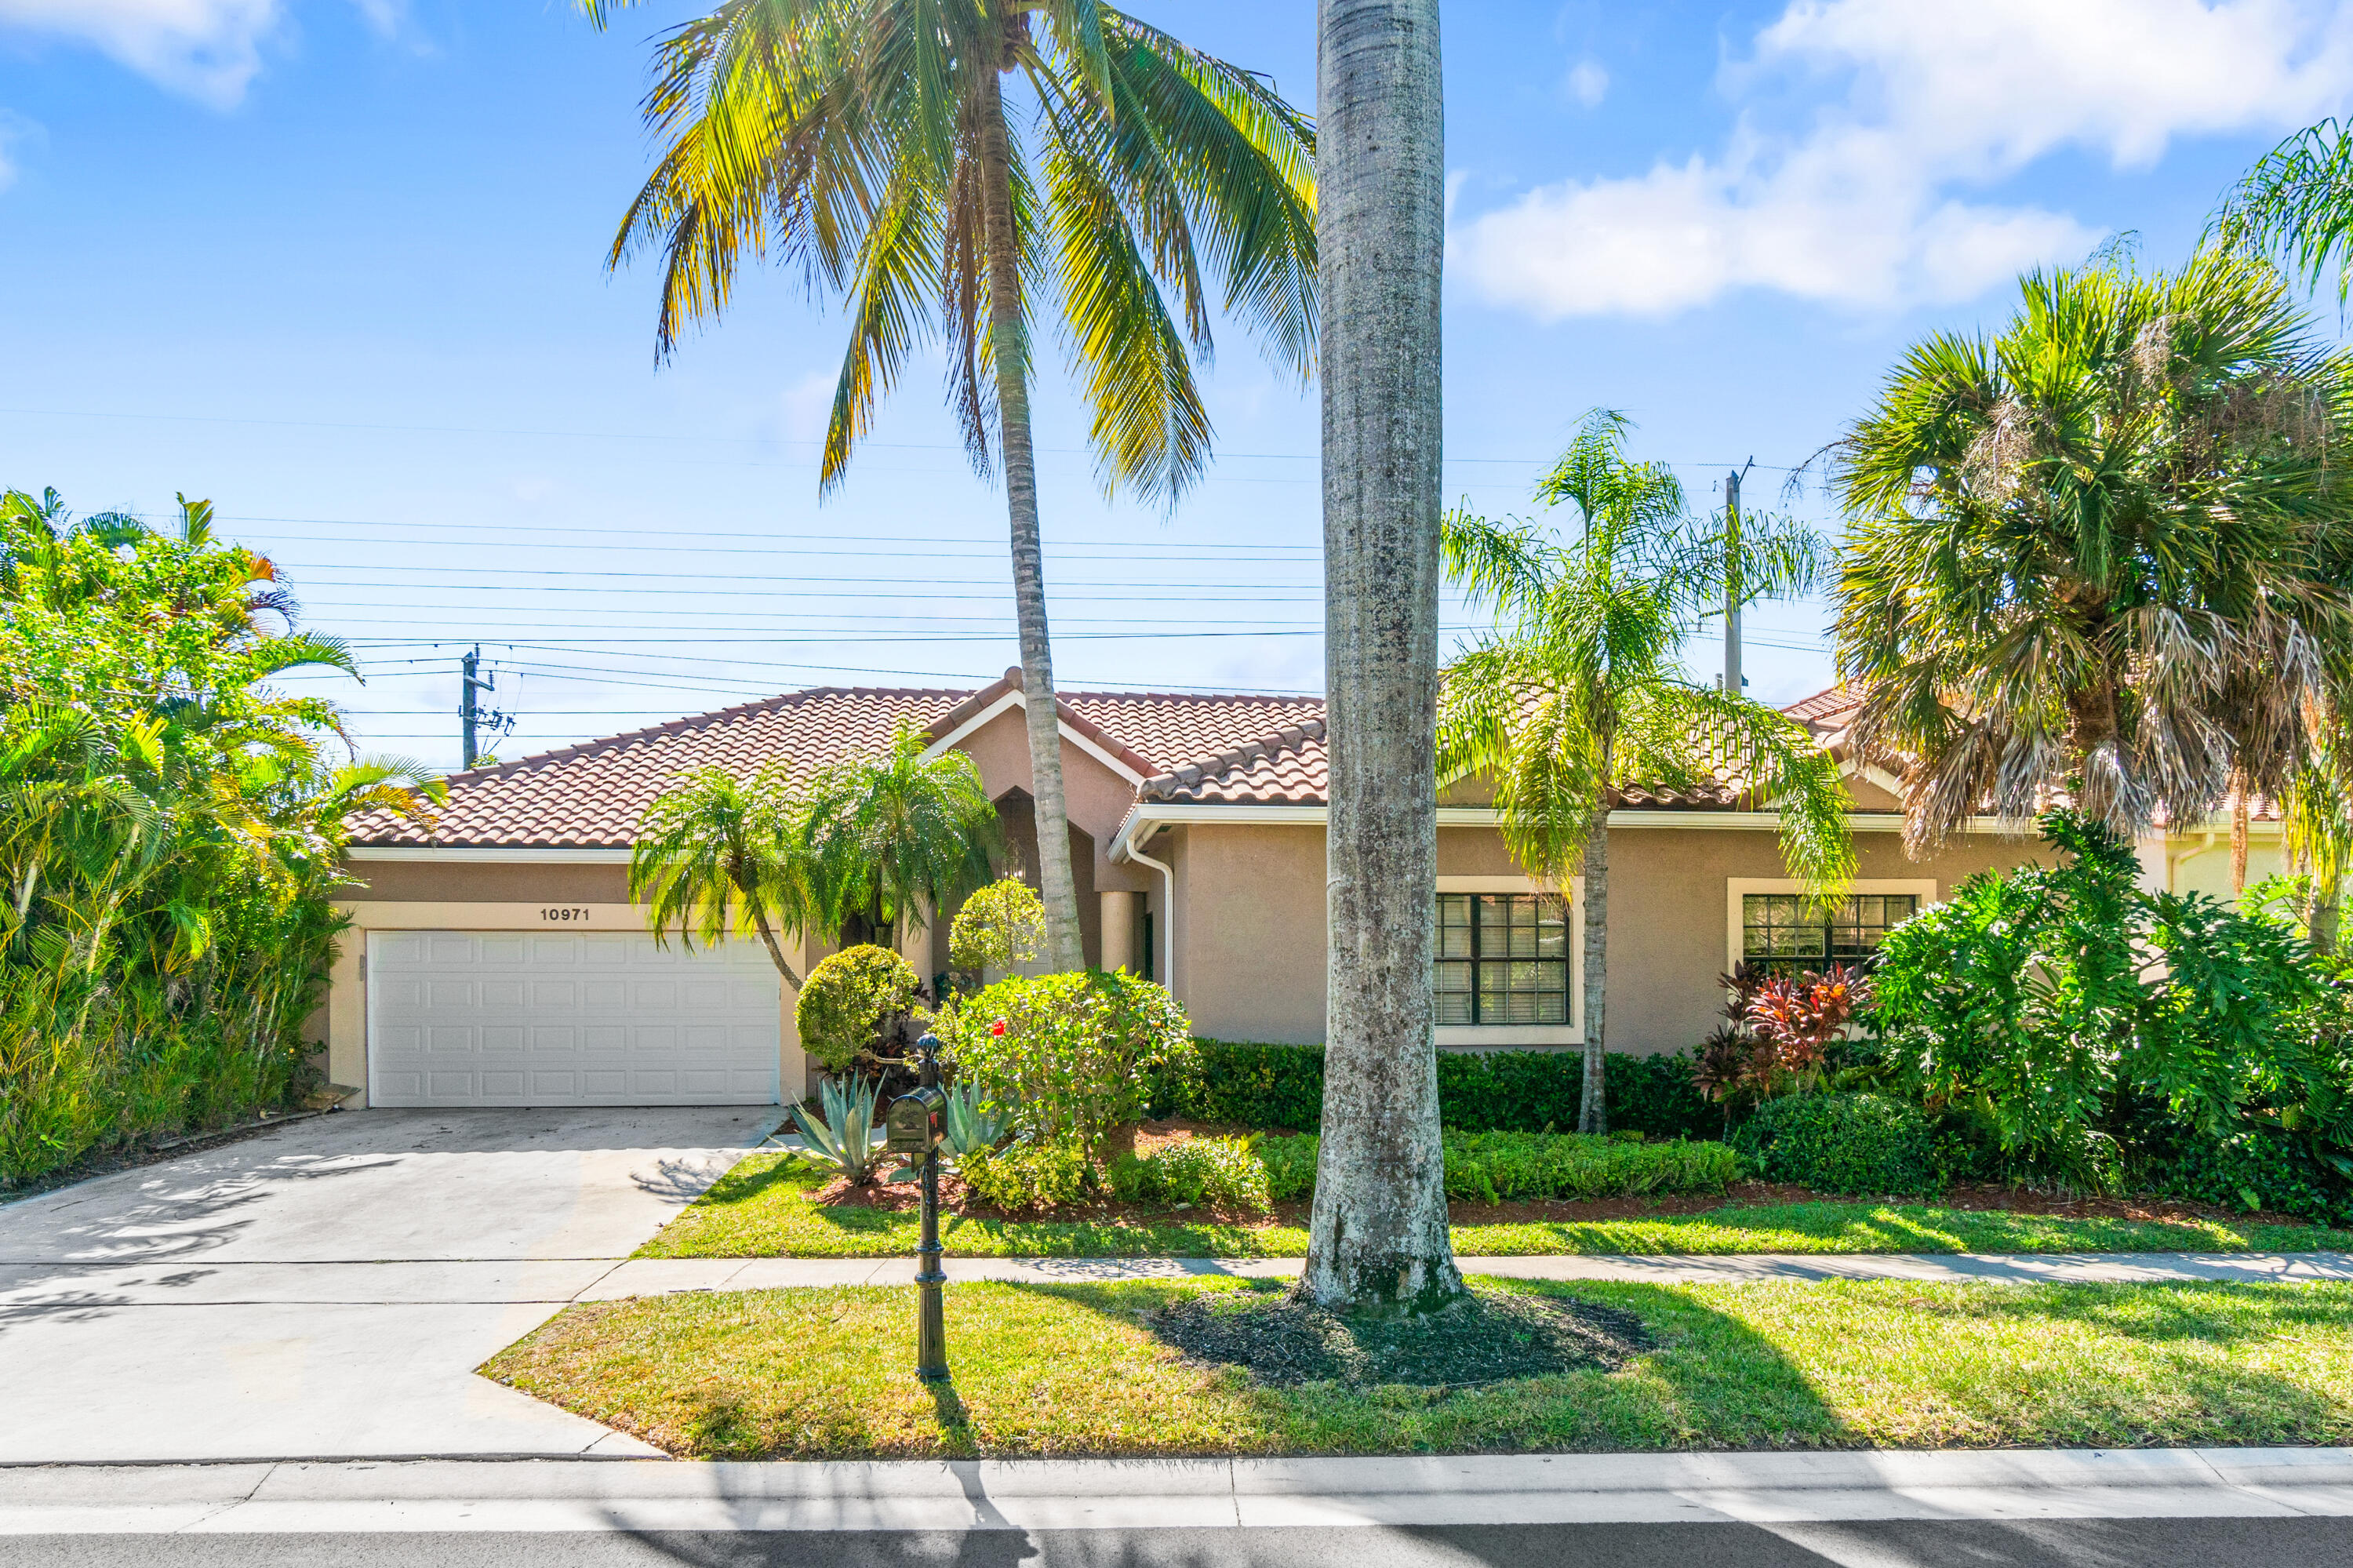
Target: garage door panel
[{"x": 513, "y": 1018}]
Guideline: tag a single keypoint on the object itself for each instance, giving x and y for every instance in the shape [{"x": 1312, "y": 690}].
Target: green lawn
[
  {"x": 763, "y": 1209},
  {"x": 1074, "y": 1369}
]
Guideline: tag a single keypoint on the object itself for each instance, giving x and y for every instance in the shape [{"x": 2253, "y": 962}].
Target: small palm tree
[
  {"x": 716, "y": 855},
  {"x": 1580, "y": 695},
  {"x": 895, "y": 837},
  {"x": 872, "y": 144},
  {"x": 2104, "y": 553}
]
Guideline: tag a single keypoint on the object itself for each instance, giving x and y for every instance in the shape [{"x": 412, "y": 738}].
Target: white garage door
[{"x": 525, "y": 1017}]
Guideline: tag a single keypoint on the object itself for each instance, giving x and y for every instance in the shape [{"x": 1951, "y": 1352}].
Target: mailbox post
[{"x": 913, "y": 1128}]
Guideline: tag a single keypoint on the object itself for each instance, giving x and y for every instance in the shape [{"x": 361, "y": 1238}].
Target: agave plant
[
  {"x": 842, "y": 1135},
  {"x": 974, "y": 1123}
]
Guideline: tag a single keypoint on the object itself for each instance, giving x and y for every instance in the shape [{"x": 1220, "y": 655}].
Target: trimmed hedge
[
  {"x": 2256, "y": 1168},
  {"x": 1856, "y": 1144},
  {"x": 1263, "y": 1085},
  {"x": 1498, "y": 1166}
]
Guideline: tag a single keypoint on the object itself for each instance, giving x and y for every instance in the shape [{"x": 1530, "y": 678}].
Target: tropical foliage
[
  {"x": 2091, "y": 1020},
  {"x": 1073, "y": 1055},
  {"x": 873, "y": 146},
  {"x": 2102, "y": 556},
  {"x": 716, "y": 855},
  {"x": 1581, "y": 695},
  {"x": 170, "y": 827},
  {"x": 850, "y": 995}
]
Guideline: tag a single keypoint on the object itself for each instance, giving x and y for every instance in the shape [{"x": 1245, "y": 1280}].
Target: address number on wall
[{"x": 564, "y": 913}]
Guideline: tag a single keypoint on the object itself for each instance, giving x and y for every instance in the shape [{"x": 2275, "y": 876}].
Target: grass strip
[
  {"x": 761, "y": 1208},
  {"x": 1071, "y": 1369}
]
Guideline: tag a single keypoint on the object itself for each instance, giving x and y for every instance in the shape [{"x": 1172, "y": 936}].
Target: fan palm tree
[
  {"x": 1377, "y": 1232},
  {"x": 894, "y": 838},
  {"x": 1580, "y": 695},
  {"x": 871, "y": 144},
  {"x": 716, "y": 855},
  {"x": 2105, "y": 552}
]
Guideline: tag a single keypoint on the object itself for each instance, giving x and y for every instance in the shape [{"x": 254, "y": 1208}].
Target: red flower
[{"x": 997, "y": 1028}]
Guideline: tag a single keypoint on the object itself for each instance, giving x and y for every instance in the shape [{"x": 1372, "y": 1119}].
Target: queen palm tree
[
  {"x": 870, "y": 144},
  {"x": 1377, "y": 1232},
  {"x": 1580, "y": 695},
  {"x": 716, "y": 855},
  {"x": 2103, "y": 553},
  {"x": 894, "y": 838}
]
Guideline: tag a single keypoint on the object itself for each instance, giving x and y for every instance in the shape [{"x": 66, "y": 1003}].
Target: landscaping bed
[
  {"x": 769, "y": 1207},
  {"x": 1071, "y": 1369}
]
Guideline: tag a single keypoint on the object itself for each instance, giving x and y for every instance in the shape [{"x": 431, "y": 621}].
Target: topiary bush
[
  {"x": 1267, "y": 1085},
  {"x": 1000, "y": 926},
  {"x": 1221, "y": 1172},
  {"x": 1857, "y": 1144},
  {"x": 849, "y": 996},
  {"x": 1072, "y": 1055}
]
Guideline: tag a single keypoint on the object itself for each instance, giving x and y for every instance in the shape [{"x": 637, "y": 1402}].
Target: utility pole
[
  {"x": 1732, "y": 678},
  {"x": 468, "y": 710}
]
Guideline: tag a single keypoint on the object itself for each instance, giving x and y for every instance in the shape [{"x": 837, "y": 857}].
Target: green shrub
[
  {"x": 1002, "y": 925},
  {"x": 1498, "y": 1167},
  {"x": 1222, "y": 1173},
  {"x": 2257, "y": 1168},
  {"x": 849, "y": 996},
  {"x": 1026, "y": 1175},
  {"x": 1860, "y": 1144},
  {"x": 1271, "y": 1087},
  {"x": 1072, "y": 1055}
]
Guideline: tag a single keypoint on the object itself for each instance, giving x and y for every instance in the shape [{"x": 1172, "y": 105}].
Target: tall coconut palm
[
  {"x": 894, "y": 838},
  {"x": 716, "y": 855},
  {"x": 1377, "y": 1233},
  {"x": 1579, "y": 696},
  {"x": 873, "y": 145},
  {"x": 2105, "y": 552},
  {"x": 2296, "y": 204}
]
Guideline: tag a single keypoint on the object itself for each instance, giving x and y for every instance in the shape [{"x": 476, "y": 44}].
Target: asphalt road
[{"x": 2275, "y": 1542}]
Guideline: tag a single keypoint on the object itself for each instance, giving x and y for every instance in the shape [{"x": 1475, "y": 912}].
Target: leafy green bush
[
  {"x": 849, "y": 996},
  {"x": 2064, "y": 998},
  {"x": 1497, "y": 1167},
  {"x": 1072, "y": 1055},
  {"x": 1265, "y": 1085},
  {"x": 1002, "y": 925},
  {"x": 2256, "y": 1168},
  {"x": 1027, "y": 1175},
  {"x": 1222, "y": 1173},
  {"x": 1860, "y": 1144}
]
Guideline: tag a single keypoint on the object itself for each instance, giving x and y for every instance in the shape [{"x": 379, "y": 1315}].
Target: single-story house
[{"x": 495, "y": 958}]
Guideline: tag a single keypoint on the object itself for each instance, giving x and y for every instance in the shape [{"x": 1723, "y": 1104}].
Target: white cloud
[
  {"x": 15, "y": 131},
  {"x": 1587, "y": 82},
  {"x": 1865, "y": 204},
  {"x": 209, "y": 50}
]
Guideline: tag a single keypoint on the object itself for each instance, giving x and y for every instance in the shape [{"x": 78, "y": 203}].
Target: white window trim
[
  {"x": 1739, "y": 888},
  {"x": 1571, "y": 1033}
]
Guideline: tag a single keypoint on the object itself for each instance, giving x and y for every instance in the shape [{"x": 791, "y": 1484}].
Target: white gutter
[{"x": 1167, "y": 912}]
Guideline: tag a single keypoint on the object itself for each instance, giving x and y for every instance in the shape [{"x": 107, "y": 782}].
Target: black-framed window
[
  {"x": 1502, "y": 958},
  {"x": 1779, "y": 932}
]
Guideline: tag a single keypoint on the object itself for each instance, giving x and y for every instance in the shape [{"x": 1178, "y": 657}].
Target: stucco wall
[
  {"x": 1251, "y": 919},
  {"x": 442, "y": 882}
]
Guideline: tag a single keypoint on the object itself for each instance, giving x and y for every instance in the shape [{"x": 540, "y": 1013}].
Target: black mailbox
[{"x": 912, "y": 1126}]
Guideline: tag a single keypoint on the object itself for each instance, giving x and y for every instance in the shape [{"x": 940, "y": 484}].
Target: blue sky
[{"x": 338, "y": 266}]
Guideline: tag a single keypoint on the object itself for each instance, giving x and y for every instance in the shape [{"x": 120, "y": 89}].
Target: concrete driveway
[{"x": 327, "y": 1290}]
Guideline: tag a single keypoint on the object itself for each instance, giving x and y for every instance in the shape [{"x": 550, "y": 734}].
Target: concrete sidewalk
[
  {"x": 665, "y": 1275},
  {"x": 636, "y": 1496}
]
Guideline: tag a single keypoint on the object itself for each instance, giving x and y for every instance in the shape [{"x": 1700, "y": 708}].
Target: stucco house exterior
[{"x": 495, "y": 958}]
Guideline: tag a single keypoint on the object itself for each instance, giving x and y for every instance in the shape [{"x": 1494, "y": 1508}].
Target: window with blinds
[{"x": 1502, "y": 958}]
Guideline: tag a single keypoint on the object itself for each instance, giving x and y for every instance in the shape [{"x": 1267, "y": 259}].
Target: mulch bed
[{"x": 1483, "y": 1337}]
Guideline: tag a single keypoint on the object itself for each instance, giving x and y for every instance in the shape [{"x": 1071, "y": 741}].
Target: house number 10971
[{"x": 571, "y": 913}]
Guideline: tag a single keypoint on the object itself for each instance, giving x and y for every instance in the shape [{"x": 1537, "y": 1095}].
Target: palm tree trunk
[
  {"x": 775, "y": 952},
  {"x": 2239, "y": 834},
  {"x": 1593, "y": 1106},
  {"x": 1008, "y": 355},
  {"x": 1378, "y": 1236}
]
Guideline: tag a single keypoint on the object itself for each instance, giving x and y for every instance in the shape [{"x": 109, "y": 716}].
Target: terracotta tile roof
[
  {"x": 590, "y": 796},
  {"x": 1208, "y": 749}
]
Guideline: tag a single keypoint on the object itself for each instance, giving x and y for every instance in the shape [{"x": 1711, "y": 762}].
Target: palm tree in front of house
[
  {"x": 1378, "y": 1236},
  {"x": 897, "y": 836},
  {"x": 1580, "y": 696},
  {"x": 717, "y": 856},
  {"x": 871, "y": 146},
  {"x": 2107, "y": 552}
]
